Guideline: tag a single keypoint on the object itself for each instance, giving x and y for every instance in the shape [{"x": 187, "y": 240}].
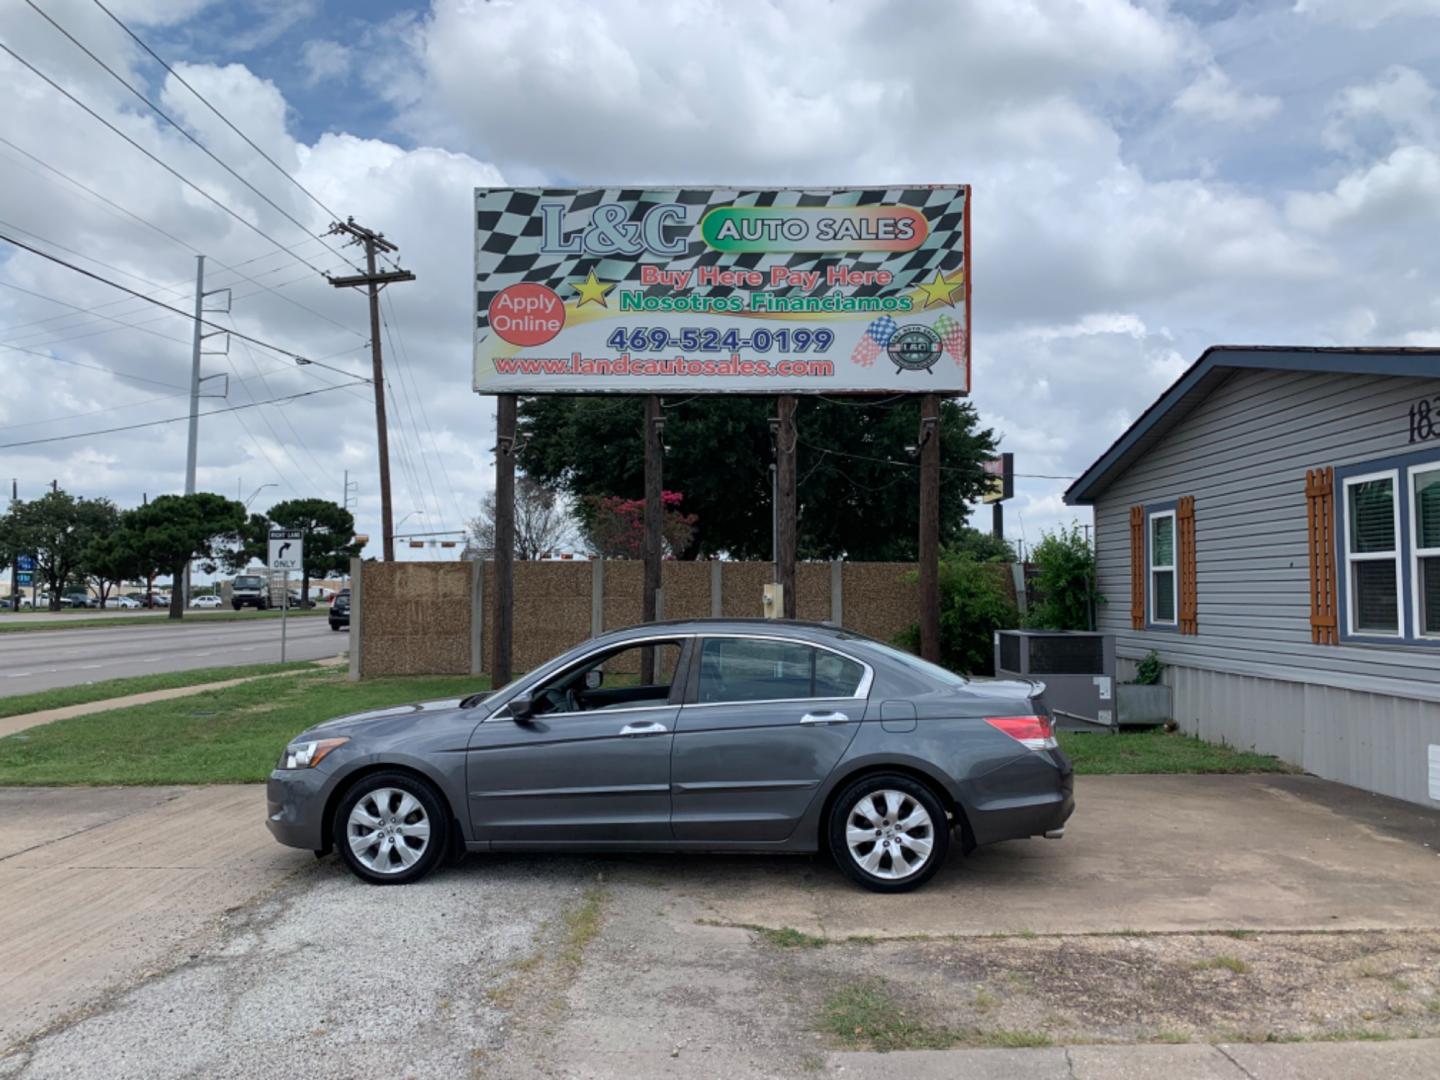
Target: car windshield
[
  {"x": 910, "y": 660},
  {"x": 248, "y": 582}
]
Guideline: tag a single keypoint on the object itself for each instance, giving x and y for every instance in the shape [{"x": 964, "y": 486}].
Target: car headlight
[{"x": 306, "y": 755}]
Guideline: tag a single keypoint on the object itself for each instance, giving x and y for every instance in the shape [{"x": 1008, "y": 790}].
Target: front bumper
[{"x": 295, "y": 802}]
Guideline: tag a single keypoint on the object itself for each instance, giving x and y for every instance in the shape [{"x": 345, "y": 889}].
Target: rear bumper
[{"x": 1031, "y": 796}]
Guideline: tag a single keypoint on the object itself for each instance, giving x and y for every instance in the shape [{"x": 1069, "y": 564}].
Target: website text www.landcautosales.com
[{"x": 733, "y": 366}]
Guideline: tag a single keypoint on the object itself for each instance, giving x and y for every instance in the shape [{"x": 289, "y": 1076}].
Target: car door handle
[
  {"x": 653, "y": 728},
  {"x": 825, "y": 718}
]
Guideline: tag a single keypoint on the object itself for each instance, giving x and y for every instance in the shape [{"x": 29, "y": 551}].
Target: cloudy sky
[{"x": 1149, "y": 178}]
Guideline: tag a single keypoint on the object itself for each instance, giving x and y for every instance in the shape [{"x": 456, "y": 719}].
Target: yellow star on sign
[
  {"x": 941, "y": 291},
  {"x": 591, "y": 291}
]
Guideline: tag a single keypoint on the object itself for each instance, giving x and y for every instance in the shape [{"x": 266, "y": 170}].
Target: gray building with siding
[{"x": 1271, "y": 528}]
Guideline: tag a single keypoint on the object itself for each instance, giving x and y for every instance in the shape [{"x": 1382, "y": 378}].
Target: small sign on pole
[
  {"x": 287, "y": 552},
  {"x": 287, "y": 549}
]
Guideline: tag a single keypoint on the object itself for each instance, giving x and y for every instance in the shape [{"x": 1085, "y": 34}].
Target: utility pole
[
  {"x": 504, "y": 591},
  {"x": 196, "y": 340},
  {"x": 197, "y": 350},
  {"x": 930, "y": 528},
  {"x": 372, "y": 242},
  {"x": 350, "y": 488},
  {"x": 14, "y": 556},
  {"x": 654, "y": 523},
  {"x": 786, "y": 438}
]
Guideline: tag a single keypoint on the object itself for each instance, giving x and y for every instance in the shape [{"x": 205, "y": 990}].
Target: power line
[
  {"x": 77, "y": 307},
  {"x": 96, "y": 412},
  {"x": 164, "y": 165},
  {"x": 167, "y": 118},
  {"x": 176, "y": 419},
  {"x": 299, "y": 359},
  {"x": 424, "y": 413},
  {"x": 204, "y": 101},
  {"x": 92, "y": 367},
  {"x": 113, "y": 205},
  {"x": 916, "y": 464}
]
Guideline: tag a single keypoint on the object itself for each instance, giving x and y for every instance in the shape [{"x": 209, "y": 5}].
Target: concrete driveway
[{"x": 1211, "y": 909}]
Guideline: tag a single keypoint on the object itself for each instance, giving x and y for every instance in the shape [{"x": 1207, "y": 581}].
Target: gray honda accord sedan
[{"x": 706, "y": 735}]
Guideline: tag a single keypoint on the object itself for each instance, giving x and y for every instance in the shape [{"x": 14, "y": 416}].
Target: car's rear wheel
[
  {"x": 391, "y": 828},
  {"x": 888, "y": 832}
]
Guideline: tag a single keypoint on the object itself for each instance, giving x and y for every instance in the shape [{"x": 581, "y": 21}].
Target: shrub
[
  {"x": 1149, "y": 670},
  {"x": 974, "y": 603},
  {"x": 1064, "y": 581}
]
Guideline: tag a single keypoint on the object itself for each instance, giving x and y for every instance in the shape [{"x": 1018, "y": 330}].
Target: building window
[
  {"x": 1162, "y": 568},
  {"x": 1372, "y": 555},
  {"x": 1425, "y": 549}
]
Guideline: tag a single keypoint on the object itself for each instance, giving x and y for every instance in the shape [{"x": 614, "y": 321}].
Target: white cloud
[
  {"x": 1213, "y": 96},
  {"x": 1403, "y": 189},
  {"x": 1367, "y": 14},
  {"x": 1400, "y": 104},
  {"x": 1101, "y": 269},
  {"x": 326, "y": 60}
]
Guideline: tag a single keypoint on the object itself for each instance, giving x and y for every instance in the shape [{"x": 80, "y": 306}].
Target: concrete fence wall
[{"x": 421, "y": 618}]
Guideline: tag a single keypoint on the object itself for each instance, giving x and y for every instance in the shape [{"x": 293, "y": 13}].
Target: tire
[
  {"x": 235, "y": 604},
  {"x": 334, "y": 626},
  {"x": 884, "y": 802},
  {"x": 383, "y": 862}
]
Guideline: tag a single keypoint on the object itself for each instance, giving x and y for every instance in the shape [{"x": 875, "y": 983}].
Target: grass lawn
[
  {"x": 137, "y": 684},
  {"x": 80, "y": 619},
  {"x": 1158, "y": 751},
  {"x": 225, "y": 736}
]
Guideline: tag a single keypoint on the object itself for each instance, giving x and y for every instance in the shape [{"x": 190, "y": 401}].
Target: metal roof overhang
[{"x": 1215, "y": 365}]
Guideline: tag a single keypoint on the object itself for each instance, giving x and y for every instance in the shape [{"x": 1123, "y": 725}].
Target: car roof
[{"x": 759, "y": 627}]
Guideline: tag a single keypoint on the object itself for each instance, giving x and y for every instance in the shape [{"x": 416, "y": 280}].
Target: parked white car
[
  {"x": 125, "y": 603},
  {"x": 205, "y": 602}
]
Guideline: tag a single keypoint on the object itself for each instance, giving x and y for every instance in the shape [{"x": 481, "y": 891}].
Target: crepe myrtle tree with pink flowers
[{"x": 615, "y": 526}]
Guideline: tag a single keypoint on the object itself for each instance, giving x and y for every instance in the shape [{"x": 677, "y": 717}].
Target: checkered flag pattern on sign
[
  {"x": 952, "y": 336},
  {"x": 877, "y": 336},
  {"x": 509, "y": 230}
]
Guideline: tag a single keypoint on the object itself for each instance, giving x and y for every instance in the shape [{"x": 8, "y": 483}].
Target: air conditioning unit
[{"x": 1076, "y": 666}]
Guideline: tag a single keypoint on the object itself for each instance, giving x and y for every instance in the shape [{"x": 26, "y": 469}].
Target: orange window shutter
[
  {"x": 1137, "y": 568},
  {"x": 1185, "y": 563},
  {"x": 1320, "y": 505}
]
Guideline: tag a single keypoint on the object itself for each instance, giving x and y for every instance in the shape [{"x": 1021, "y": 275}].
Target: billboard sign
[{"x": 716, "y": 290}]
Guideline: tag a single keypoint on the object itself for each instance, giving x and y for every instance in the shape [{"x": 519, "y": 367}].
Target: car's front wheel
[
  {"x": 889, "y": 832},
  {"x": 391, "y": 828}
]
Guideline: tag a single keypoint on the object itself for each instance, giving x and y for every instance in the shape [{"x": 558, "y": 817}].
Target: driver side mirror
[{"x": 522, "y": 708}]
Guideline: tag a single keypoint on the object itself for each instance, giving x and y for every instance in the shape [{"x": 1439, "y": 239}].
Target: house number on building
[{"x": 1425, "y": 419}]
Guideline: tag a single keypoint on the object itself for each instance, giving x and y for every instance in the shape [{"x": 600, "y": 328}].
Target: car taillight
[{"x": 1031, "y": 731}]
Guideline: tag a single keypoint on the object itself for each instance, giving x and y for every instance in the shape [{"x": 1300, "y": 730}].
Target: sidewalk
[
  {"x": 9, "y": 725},
  {"x": 1409, "y": 1059}
]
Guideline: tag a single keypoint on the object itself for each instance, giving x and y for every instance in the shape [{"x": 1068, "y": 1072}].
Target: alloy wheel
[
  {"x": 889, "y": 834},
  {"x": 388, "y": 830}
]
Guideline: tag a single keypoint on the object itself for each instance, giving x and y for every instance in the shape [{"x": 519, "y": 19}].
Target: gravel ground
[
  {"x": 325, "y": 978},
  {"x": 521, "y": 968}
]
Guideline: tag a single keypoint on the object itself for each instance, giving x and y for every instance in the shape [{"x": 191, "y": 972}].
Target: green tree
[
  {"x": 56, "y": 529},
  {"x": 101, "y": 563},
  {"x": 172, "y": 530},
  {"x": 329, "y": 537},
  {"x": 974, "y": 603},
  {"x": 858, "y": 479},
  {"x": 983, "y": 546},
  {"x": 1064, "y": 581}
]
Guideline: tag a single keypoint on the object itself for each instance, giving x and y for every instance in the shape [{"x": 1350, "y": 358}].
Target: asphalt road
[{"x": 45, "y": 659}]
